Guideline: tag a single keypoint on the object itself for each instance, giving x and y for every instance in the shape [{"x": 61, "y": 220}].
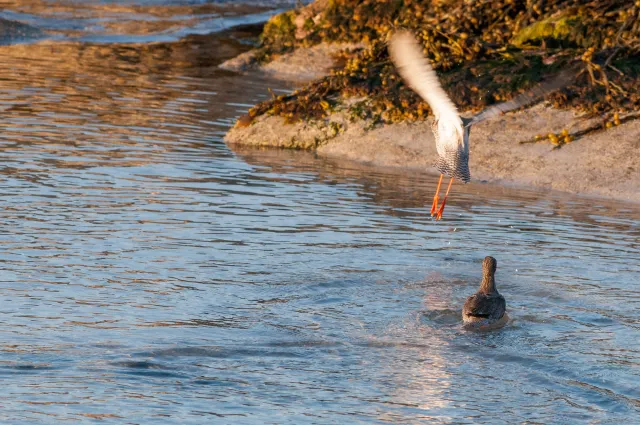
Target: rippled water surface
[{"x": 149, "y": 274}]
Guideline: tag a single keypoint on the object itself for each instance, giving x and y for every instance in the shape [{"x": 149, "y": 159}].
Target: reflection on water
[
  {"x": 150, "y": 273},
  {"x": 139, "y": 21}
]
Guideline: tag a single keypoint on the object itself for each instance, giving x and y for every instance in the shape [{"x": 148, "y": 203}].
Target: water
[{"x": 150, "y": 275}]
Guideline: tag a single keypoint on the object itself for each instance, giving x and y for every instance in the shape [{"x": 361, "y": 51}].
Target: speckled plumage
[{"x": 454, "y": 161}]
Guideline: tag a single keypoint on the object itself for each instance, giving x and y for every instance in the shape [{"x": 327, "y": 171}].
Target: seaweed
[{"x": 485, "y": 51}]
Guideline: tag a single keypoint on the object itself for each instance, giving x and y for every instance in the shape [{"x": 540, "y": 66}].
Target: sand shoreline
[{"x": 601, "y": 163}]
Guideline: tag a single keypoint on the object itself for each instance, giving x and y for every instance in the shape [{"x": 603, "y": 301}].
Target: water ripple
[{"x": 151, "y": 273}]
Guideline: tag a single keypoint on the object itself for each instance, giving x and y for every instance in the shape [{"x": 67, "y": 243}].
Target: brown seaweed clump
[{"x": 485, "y": 52}]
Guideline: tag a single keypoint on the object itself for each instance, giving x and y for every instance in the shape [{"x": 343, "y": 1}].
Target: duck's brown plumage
[{"x": 486, "y": 305}]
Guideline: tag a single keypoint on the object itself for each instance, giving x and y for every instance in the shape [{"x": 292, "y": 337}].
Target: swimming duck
[{"x": 486, "y": 309}]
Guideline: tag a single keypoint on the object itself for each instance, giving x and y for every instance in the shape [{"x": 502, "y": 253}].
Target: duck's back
[{"x": 482, "y": 306}]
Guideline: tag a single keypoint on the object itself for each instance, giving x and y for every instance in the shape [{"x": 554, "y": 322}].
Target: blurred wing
[
  {"x": 415, "y": 69},
  {"x": 523, "y": 99}
]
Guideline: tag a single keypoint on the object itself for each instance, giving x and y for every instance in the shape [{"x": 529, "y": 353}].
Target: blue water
[{"x": 152, "y": 275}]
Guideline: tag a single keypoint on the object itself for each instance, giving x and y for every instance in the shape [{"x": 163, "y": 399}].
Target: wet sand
[{"x": 300, "y": 66}]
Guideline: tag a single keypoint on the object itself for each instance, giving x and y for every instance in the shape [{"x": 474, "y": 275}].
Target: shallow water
[{"x": 152, "y": 275}]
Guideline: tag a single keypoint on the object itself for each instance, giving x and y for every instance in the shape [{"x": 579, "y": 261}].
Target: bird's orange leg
[
  {"x": 434, "y": 206},
  {"x": 444, "y": 201}
]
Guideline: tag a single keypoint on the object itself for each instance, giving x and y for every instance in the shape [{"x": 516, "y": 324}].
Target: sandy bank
[
  {"x": 302, "y": 65},
  {"x": 604, "y": 163}
]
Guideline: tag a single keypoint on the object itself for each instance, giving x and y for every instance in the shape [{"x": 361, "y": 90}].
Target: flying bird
[{"x": 451, "y": 131}]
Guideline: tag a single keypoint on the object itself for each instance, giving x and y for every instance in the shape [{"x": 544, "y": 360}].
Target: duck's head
[
  {"x": 489, "y": 266},
  {"x": 488, "y": 284}
]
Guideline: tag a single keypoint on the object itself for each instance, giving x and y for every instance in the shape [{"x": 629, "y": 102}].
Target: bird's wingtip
[
  {"x": 403, "y": 34},
  {"x": 398, "y": 40}
]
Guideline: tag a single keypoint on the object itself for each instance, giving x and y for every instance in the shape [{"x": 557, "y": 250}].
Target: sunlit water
[{"x": 149, "y": 274}]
